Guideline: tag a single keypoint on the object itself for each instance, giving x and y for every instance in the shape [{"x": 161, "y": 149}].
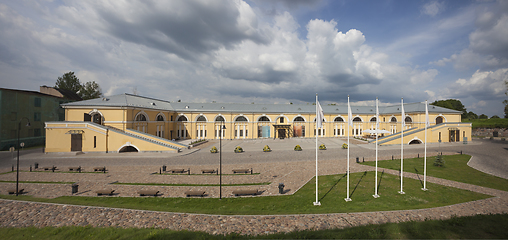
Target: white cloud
[
  {"x": 486, "y": 84},
  {"x": 432, "y": 8},
  {"x": 420, "y": 77}
]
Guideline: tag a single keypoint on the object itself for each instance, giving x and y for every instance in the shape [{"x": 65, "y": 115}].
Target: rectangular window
[
  {"x": 439, "y": 136},
  {"x": 37, "y": 116},
  {"x": 37, "y": 102},
  {"x": 94, "y": 141},
  {"x": 37, "y": 132},
  {"x": 171, "y": 118},
  {"x": 281, "y": 120}
]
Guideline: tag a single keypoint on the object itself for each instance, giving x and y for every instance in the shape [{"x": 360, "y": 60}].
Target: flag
[
  {"x": 349, "y": 113},
  {"x": 403, "y": 114},
  {"x": 427, "y": 122},
  {"x": 319, "y": 115},
  {"x": 377, "y": 116}
]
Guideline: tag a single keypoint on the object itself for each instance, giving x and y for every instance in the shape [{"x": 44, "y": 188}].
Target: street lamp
[
  {"x": 222, "y": 127},
  {"x": 17, "y": 162}
]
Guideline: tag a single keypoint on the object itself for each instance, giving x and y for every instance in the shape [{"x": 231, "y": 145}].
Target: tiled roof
[{"x": 130, "y": 100}]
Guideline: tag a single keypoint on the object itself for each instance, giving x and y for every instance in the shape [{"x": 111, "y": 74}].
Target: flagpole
[
  {"x": 317, "y": 203},
  {"x": 377, "y": 127},
  {"x": 402, "y": 146},
  {"x": 347, "y": 199},
  {"x": 425, "y": 151}
]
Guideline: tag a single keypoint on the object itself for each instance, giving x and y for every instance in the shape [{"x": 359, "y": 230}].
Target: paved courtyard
[{"x": 282, "y": 165}]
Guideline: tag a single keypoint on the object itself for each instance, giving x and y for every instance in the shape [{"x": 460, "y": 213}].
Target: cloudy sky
[{"x": 263, "y": 51}]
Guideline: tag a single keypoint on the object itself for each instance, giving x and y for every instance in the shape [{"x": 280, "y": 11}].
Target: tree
[
  {"x": 483, "y": 116},
  {"x": 495, "y": 116},
  {"x": 452, "y": 104},
  {"x": 70, "y": 82},
  {"x": 471, "y": 115},
  {"x": 506, "y": 101},
  {"x": 90, "y": 90}
]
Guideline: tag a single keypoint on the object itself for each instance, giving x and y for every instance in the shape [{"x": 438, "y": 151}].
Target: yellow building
[{"x": 128, "y": 122}]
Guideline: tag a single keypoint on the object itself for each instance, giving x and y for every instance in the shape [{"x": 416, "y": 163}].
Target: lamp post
[
  {"x": 222, "y": 127},
  {"x": 17, "y": 162}
]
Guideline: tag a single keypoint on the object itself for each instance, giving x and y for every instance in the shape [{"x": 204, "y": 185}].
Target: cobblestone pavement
[{"x": 291, "y": 168}]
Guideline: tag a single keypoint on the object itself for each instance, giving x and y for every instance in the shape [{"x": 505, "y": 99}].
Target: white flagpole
[
  {"x": 349, "y": 115},
  {"x": 425, "y": 151},
  {"x": 402, "y": 146},
  {"x": 377, "y": 127},
  {"x": 317, "y": 203}
]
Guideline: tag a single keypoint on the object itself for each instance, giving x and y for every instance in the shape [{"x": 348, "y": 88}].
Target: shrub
[
  {"x": 322, "y": 147},
  {"x": 298, "y": 148},
  {"x": 344, "y": 146},
  {"x": 267, "y": 149},
  {"x": 439, "y": 161},
  {"x": 238, "y": 149},
  {"x": 213, "y": 150}
]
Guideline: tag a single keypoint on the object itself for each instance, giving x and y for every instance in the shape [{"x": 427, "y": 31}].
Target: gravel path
[{"x": 294, "y": 169}]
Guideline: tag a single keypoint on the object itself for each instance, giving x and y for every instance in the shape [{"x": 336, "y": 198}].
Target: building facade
[{"x": 134, "y": 119}]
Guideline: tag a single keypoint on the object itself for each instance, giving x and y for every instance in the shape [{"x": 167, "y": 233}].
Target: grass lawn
[
  {"x": 332, "y": 192},
  {"x": 475, "y": 227},
  {"x": 455, "y": 169}
]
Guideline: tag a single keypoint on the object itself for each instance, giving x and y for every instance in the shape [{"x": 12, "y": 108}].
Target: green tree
[
  {"x": 471, "y": 115},
  {"x": 452, "y": 104},
  {"x": 506, "y": 101},
  {"x": 90, "y": 90},
  {"x": 495, "y": 116},
  {"x": 483, "y": 116},
  {"x": 70, "y": 82}
]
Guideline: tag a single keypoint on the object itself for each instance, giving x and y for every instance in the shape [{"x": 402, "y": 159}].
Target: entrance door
[
  {"x": 282, "y": 133},
  {"x": 76, "y": 142}
]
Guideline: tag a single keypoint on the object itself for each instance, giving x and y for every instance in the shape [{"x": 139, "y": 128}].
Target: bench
[
  {"x": 13, "y": 191},
  {"x": 148, "y": 193},
  {"x": 203, "y": 171},
  {"x": 195, "y": 193},
  {"x": 53, "y": 168},
  {"x": 108, "y": 192},
  {"x": 99, "y": 169},
  {"x": 245, "y": 192},
  {"x": 242, "y": 170},
  {"x": 177, "y": 170},
  {"x": 75, "y": 169}
]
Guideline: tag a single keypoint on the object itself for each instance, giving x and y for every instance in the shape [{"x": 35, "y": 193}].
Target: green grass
[
  {"x": 474, "y": 227},
  {"x": 191, "y": 185},
  {"x": 3, "y": 181},
  {"x": 332, "y": 192},
  {"x": 455, "y": 169},
  {"x": 488, "y": 123}
]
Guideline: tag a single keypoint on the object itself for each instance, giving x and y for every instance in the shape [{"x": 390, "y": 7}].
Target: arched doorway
[
  {"x": 415, "y": 141},
  {"x": 357, "y": 126},
  {"x": 299, "y": 127},
  {"x": 160, "y": 125},
  {"x": 141, "y": 120},
  {"x": 338, "y": 126},
  {"x": 128, "y": 149},
  {"x": 393, "y": 125},
  {"x": 241, "y": 128},
  {"x": 201, "y": 127},
  {"x": 182, "y": 127},
  {"x": 264, "y": 127},
  {"x": 219, "y": 122}
]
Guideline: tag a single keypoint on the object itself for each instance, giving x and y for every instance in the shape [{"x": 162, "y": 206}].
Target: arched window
[
  {"x": 182, "y": 119},
  {"x": 160, "y": 118},
  {"x": 408, "y": 120},
  {"x": 393, "y": 120},
  {"x": 97, "y": 118},
  {"x": 219, "y": 119},
  {"x": 439, "y": 120},
  {"x": 241, "y": 119},
  {"x": 141, "y": 118},
  {"x": 263, "y": 119},
  {"x": 357, "y": 119},
  {"x": 374, "y": 119},
  {"x": 299, "y": 119},
  {"x": 201, "y": 119},
  {"x": 338, "y": 119}
]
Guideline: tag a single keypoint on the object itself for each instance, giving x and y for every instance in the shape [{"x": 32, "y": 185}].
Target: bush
[
  {"x": 439, "y": 161},
  {"x": 238, "y": 149},
  {"x": 344, "y": 146},
  {"x": 267, "y": 149},
  {"x": 298, "y": 148},
  {"x": 213, "y": 150},
  {"x": 322, "y": 147}
]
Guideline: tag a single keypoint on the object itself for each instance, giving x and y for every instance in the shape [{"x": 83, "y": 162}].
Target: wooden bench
[
  {"x": 108, "y": 192},
  {"x": 99, "y": 169},
  {"x": 203, "y": 171},
  {"x": 242, "y": 170},
  {"x": 177, "y": 170},
  {"x": 148, "y": 193},
  {"x": 75, "y": 169},
  {"x": 245, "y": 192},
  {"x": 49, "y": 168},
  {"x": 195, "y": 193},
  {"x": 13, "y": 190}
]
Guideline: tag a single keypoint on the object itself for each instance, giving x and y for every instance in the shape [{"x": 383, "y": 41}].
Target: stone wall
[{"x": 490, "y": 132}]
